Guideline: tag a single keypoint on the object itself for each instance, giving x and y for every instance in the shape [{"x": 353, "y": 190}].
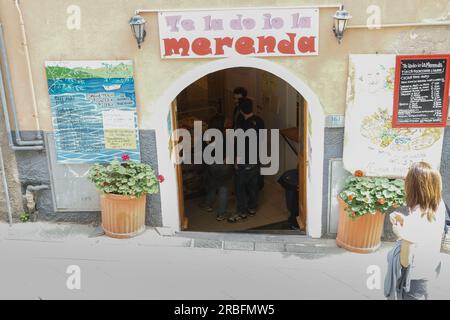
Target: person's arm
[
  {"x": 402, "y": 231},
  {"x": 397, "y": 220},
  {"x": 405, "y": 253}
]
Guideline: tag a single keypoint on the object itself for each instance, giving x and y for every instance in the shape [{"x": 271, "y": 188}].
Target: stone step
[{"x": 296, "y": 244}]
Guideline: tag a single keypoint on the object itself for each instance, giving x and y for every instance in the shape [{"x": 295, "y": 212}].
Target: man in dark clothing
[
  {"x": 247, "y": 172},
  {"x": 238, "y": 94},
  {"x": 218, "y": 176}
]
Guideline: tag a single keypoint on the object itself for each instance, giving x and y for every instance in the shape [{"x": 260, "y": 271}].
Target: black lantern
[
  {"x": 137, "y": 24},
  {"x": 341, "y": 18}
]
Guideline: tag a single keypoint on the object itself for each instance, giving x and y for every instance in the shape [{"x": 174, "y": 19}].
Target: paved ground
[{"x": 34, "y": 259}]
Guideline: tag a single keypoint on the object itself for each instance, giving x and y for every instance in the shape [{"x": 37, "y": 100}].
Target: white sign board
[
  {"x": 243, "y": 32},
  {"x": 370, "y": 143}
]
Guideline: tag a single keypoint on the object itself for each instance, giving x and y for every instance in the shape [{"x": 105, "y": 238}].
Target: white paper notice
[
  {"x": 119, "y": 129},
  {"x": 118, "y": 120}
]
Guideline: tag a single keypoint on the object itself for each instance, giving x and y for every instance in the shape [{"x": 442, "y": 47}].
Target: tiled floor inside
[{"x": 272, "y": 210}]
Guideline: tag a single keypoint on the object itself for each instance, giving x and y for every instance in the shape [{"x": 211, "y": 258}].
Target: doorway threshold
[
  {"x": 246, "y": 236},
  {"x": 294, "y": 244}
]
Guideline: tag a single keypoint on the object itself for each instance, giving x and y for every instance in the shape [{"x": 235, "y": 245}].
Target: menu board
[
  {"x": 421, "y": 91},
  {"x": 371, "y": 144},
  {"x": 94, "y": 110}
]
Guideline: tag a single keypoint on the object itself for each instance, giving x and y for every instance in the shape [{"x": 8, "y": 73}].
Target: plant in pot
[
  {"x": 363, "y": 204},
  {"x": 123, "y": 186}
]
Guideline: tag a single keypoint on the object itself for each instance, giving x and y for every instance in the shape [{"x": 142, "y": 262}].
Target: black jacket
[{"x": 252, "y": 123}]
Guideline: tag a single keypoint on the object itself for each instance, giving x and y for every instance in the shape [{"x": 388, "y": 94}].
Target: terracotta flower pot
[
  {"x": 359, "y": 235},
  {"x": 123, "y": 216}
]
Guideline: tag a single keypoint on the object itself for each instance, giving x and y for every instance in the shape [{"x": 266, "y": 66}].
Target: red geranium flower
[
  {"x": 161, "y": 178},
  {"x": 125, "y": 157},
  {"x": 359, "y": 173}
]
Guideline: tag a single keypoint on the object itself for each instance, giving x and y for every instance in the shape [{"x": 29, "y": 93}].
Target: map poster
[
  {"x": 371, "y": 144},
  {"x": 93, "y": 105},
  {"x": 421, "y": 91}
]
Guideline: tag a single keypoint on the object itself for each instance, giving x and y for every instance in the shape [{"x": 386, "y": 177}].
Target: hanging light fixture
[
  {"x": 341, "y": 18},
  {"x": 137, "y": 24}
]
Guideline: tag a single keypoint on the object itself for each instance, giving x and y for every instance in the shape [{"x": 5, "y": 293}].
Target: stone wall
[{"x": 33, "y": 169}]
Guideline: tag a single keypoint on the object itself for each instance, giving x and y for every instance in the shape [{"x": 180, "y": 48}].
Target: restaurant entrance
[{"x": 282, "y": 206}]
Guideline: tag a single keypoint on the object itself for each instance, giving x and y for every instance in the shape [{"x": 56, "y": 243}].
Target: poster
[
  {"x": 371, "y": 143},
  {"x": 421, "y": 91},
  {"x": 93, "y": 105},
  {"x": 243, "y": 32}
]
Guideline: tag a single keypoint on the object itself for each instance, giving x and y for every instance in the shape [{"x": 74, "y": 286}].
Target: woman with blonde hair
[{"x": 422, "y": 230}]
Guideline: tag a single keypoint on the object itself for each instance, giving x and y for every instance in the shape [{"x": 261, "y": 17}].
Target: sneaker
[
  {"x": 251, "y": 212},
  {"x": 220, "y": 217},
  {"x": 237, "y": 218},
  {"x": 206, "y": 208}
]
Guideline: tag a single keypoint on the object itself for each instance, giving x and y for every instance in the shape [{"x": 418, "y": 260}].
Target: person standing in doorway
[
  {"x": 422, "y": 230},
  {"x": 238, "y": 94},
  {"x": 218, "y": 176},
  {"x": 247, "y": 173}
]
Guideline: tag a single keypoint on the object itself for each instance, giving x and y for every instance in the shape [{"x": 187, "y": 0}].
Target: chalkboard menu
[{"x": 421, "y": 91}]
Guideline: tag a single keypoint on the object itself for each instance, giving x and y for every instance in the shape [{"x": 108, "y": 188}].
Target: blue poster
[{"x": 93, "y": 105}]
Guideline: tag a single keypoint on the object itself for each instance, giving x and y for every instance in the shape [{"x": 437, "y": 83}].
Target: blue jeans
[{"x": 223, "y": 198}]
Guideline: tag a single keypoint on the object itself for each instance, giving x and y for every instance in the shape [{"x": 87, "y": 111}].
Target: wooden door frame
[
  {"x": 302, "y": 160},
  {"x": 316, "y": 119},
  {"x": 184, "y": 222},
  {"x": 303, "y": 167}
]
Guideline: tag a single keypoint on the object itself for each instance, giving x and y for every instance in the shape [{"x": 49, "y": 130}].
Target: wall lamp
[
  {"x": 341, "y": 18},
  {"x": 137, "y": 24}
]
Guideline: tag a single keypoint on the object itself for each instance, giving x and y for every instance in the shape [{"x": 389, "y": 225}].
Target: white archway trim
[{"x": 158, "y": 122}]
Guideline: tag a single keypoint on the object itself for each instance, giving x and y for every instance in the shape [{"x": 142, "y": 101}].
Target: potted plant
[
  {"x": 124, "y": 186},
  {"x": 363, "y": 204}
]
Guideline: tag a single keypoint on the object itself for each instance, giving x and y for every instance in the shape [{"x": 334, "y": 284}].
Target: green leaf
[{"x": 130, "y": 178}]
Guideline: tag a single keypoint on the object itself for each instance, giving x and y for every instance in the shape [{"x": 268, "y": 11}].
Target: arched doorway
[{"x": 161, "y": 123}]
